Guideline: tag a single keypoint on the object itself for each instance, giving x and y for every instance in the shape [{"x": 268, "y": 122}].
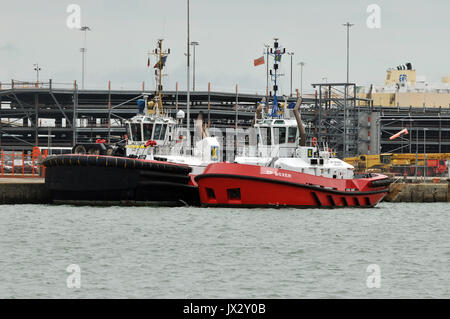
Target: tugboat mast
[
  {"x": 162, "y": 56},
  {"x": 277, "y": 53}
]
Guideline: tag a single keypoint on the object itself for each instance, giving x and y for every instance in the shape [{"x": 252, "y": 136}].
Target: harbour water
[{"x": 148, "y": 252}]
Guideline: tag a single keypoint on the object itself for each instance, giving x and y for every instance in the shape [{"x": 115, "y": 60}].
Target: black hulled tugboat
[
  {"x": 152, "y": 167},
  {"x": 106, "y": 180}
]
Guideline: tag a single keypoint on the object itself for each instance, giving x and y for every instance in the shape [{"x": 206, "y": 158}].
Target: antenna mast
[
  {"x": 277, "y": 53},
  {"x": 162, "y": 56}
]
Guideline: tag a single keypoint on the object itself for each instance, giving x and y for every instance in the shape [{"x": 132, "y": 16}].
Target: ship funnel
[
  {"x": 258, "y": 114},
  {"x": 259, "y": 111},
  {"x": 200, "y": 128},
  {"x": 300, "y": 126}
]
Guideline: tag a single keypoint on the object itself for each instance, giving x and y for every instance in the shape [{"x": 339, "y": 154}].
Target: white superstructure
[
  {"x": 278, "y": 146},
  {"x": 156, "y": 136}
]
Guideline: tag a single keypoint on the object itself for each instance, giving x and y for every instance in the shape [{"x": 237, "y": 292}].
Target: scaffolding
[
  {"x": 338, "y": 120},
  {"x": 58, "y": 115}
]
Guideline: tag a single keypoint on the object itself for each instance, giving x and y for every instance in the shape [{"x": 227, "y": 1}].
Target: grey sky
[{"x": 231, "y": 34}]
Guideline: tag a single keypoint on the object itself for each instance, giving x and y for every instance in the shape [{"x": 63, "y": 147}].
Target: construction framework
[
  {"x": 40, "y": 114},
  {"x": 338, "y": 120},
  {"x": 59, "y": 115}
]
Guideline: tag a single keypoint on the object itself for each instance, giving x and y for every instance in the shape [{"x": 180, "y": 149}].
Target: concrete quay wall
[
  {"x": 418, "y": 192},
  {"x": 24, "y": 191}
]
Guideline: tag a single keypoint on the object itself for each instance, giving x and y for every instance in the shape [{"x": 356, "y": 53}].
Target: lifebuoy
[
  {"x": 150, "y": 143},
  {"x": 314, "y": 141}
]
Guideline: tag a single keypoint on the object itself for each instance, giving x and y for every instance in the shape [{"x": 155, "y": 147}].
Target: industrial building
[{"x": 339, "y": 114}]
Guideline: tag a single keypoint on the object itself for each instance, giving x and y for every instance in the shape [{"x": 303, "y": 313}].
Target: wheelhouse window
[
  {"x": 148, "y": 129},
  {"x": 280, "y": 134},
  {"x": 136, "y": 131},
  {"x": 157, "y": 132},
  {"x": 170, "y": 132},
  {"x": 163, "y": 132},
  {"x": 129, "y": 131},
  {"x": 266, "y": 136},
  {"x": 292, "y": 134}
]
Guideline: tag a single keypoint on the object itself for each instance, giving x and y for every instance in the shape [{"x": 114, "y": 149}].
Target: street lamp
[
  {"x": 188, "y": 93},
  {"x": 37, "y": 69},
  {"x": 83, "y": 51},
  {"x": 194, "y": 44},
  {"x": 348, "y": 25},
  {"x": 291, "y": 54},
  {"x": 302, "y": 64},
  {"x": 325, "y": 79}
]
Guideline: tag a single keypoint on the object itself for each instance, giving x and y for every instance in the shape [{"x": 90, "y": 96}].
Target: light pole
[
  {"x": 83, "y": 51},
  {"x": 325, "y": 79},
  {"x": 302, "y": 64},
  {"x": 188, "y": 125},
  {"x": 348, "y": 25},
  {"x": 37, "y": 69},
  {"x": 194, "y": 44},
  {"x": 291, "y": 54}
]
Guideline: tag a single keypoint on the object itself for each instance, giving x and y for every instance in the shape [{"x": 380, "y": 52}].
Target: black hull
[{"x": 71, "y": 182}]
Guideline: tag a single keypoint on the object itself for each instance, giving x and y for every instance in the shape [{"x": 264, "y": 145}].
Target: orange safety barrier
[{"x": 19, "y": 164}]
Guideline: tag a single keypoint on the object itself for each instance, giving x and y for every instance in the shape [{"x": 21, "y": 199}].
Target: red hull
[{"x": 226, "y": 184}]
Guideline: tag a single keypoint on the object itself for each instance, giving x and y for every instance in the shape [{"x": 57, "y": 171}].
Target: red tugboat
[
  {"x": 288, "y": 173},
  {"x": 242, "y": 185},
  {"x": 281, "y": 170}
]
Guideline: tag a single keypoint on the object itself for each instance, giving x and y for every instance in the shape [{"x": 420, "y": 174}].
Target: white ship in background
[{"x": 403, "y": 87}]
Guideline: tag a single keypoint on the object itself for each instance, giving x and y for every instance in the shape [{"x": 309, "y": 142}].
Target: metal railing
[
  {"x": 19, "y": 164},
  {"x": 16, "y": 84}
]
